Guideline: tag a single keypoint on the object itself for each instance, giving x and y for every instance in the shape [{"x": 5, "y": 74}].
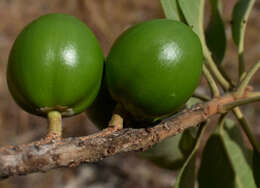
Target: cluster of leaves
[{"x": 226, "y": 160}]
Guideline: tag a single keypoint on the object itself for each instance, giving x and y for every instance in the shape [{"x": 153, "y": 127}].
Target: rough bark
[{"x": 53, "y": 153}]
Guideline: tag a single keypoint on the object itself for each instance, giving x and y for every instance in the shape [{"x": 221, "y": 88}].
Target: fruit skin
[
  {"x": 154, "y": 67},
  {"x": 56, "y": 63}
]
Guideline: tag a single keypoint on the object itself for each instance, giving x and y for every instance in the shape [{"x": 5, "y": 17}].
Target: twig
[
  {"x": 214, "y": 69},
  {"x": 207, "y": 54},
  {"x": 212, "y": 84},
  {"x": 247, "y": 79},
  {"x": 245, "y": 126},
  {"x": 201, "y": 96},
  {"x": 254, "y": 97},
  {"x": 70, "y": 152},
  {"x": 241, "y": 65},
  {"x": 222, "y": 119}
]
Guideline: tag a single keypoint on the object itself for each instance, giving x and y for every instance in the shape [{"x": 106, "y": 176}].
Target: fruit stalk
[
  {"x": 55, "y": 124},
  {"x": 117, "y": 120}
]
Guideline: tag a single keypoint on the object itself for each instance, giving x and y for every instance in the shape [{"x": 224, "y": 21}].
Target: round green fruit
[
  {"x": 154, "y": 67},
  {"x": 55, "y": 64}
]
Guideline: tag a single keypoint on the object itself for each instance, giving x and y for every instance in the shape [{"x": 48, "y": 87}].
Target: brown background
[{"x": 107, "y": 19}]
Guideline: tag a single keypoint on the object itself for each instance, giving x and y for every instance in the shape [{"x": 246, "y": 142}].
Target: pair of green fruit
[{"x": 56, "y": 64}]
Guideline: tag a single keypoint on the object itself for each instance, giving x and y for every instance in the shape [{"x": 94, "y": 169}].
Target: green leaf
[
  {"x": 187, "y": 176},
  {"x": 193, "y": 14},
  {"x": 239, "y": 18},
  {"x": 215, "y": 169},
  {"x": 215, "y": 32},
  {"x": 239, "y": 155},
  {"x": 192, "y": 101},
  {"x": 171, "y": 10},
  {"x": 188, "y": 140},
  {"x": 256, "y": 168},
  {"x": 226, "y": 162}
]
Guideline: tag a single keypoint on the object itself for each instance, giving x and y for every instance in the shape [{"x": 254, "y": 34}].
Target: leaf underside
[
  {"x": 187, "y": 175},
  {"x": 239, "y": 18},
  {"x": 226, "y": 161}
]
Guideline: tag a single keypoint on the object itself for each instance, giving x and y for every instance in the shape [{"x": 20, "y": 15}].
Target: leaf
[
  {"x": 193, "y": 14},
  {"x": 192, "y": 101},
  {"x": 215, "y": 32},
  {"x": 239, "y": 18},
  {"x": 171, "y": 10},
  {"x": 239, "y": 155},
  {"x": 188, "y": 140},
  {"x": 187, "y": 176},
  {"x": 226, "y": 160},
  {"x": 215, "y": 168},
  {"x": 256, "y": 168}
]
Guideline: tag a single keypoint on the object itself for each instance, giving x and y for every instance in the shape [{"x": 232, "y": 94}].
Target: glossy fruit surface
[
  {"x": 56, "y": 63},
  {"x": 154, "y": 67}
]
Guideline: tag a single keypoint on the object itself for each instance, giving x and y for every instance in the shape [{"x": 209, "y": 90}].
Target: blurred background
[{"x": 107, "y": 19}]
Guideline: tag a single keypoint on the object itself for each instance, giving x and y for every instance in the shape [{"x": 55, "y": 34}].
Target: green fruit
[
  {"x": 56, "y": 63},
  {"x": 154, "y": 67}
]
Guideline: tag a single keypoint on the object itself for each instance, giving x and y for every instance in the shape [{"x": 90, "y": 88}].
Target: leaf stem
[
  {"x": 201, "y": 96},
  {"x": 55, "y": 124},
  {"x": 254, "y": 97},
  {"x": 245, "y": 126},
  {"x": 222, "y": 119},
  {"x": 241, "y": 65},
  {"x": 247, "y": 79},
  {"x": 192, "y": 155},
  {"x": 214, "y": 69},
  {"x": 207, "y": 54},
  {"x": 213, "y": 86}
]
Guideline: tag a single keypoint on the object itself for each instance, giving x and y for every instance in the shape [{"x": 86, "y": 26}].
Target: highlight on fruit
[
  {"x": 153, "y": 68},
  {"x": 55, "y": 64},
  {"x": 55, "y": 68}
]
